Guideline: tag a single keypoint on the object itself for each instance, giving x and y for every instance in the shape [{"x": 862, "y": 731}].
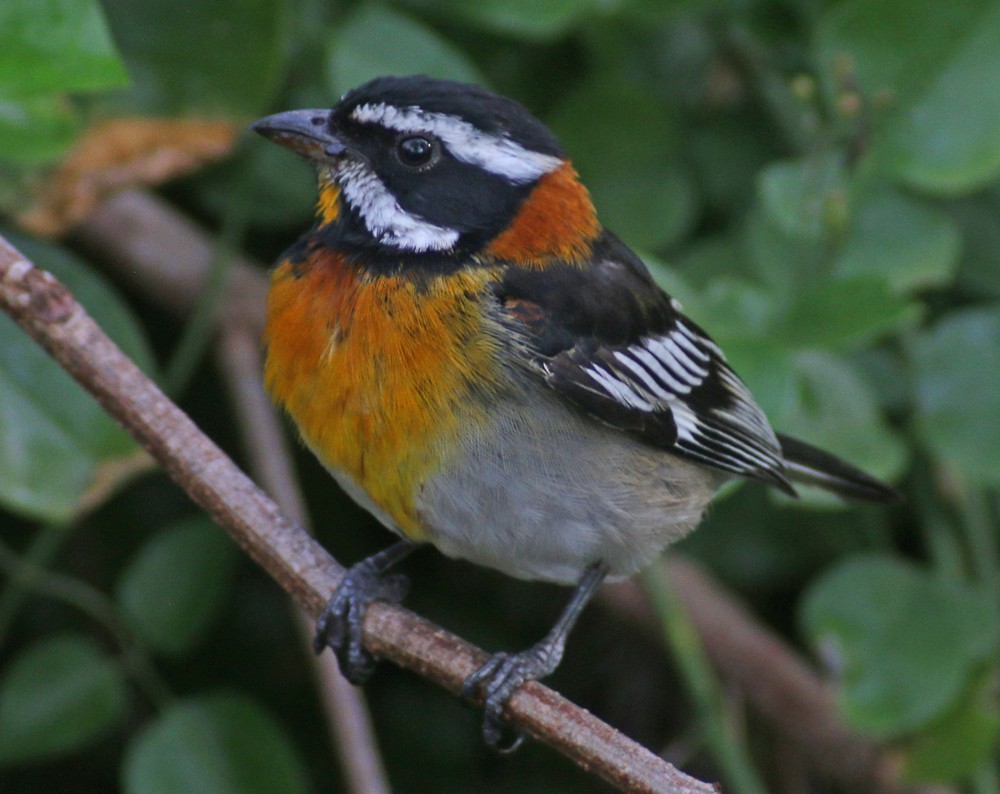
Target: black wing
[{"x": 613, "y": 343}]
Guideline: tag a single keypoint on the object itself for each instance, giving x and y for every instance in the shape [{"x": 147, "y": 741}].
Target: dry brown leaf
[{"x": 117, "y": 154}]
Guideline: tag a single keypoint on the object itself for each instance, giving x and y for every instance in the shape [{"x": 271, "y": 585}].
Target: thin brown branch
[
  {"x": 166, "y": 257},
  {"x": 176, "y": 255},
  {"x": 47, "y": 311},
  {"x": 271, "y": 465},
  {"x": 772, "y": 677}
]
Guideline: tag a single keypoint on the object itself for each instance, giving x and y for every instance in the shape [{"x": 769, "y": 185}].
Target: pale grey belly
[{"x": 546, "y": 498}]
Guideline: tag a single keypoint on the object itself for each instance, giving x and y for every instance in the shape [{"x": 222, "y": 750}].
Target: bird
[{"x": 487, "y": 369}]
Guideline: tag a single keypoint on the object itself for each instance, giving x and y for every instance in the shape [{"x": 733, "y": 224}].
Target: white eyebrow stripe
[
  {"x": 494, "y": 153},
  {"x": 388, "y": 222}
]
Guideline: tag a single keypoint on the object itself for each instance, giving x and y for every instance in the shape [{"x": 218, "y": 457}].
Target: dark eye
[{"x": 415, "y": 151}]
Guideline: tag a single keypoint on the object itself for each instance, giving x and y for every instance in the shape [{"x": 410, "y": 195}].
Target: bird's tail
[{"x": 806, "y": 464}]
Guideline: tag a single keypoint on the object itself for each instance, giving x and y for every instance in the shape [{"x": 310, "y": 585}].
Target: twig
[
  {"x": 774, "y": 679},
  {"x": 717, "y": 727},
  {"x": 99, "y": 607},
  {"x": 171, "y": 260},
  {"x": 46, "y": 310},
  {"x": 166, "y": 257},
  {"x": 271, "y": 464},
  {"x": 39, "y": 552}
]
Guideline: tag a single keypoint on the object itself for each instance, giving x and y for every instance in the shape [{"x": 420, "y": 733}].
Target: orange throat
[
  {"x": 328, "y": 204},
  {"x": 377, "y": 372}
]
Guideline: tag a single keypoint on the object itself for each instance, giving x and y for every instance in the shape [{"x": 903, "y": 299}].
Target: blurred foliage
[{"x": 818, "y": 182}]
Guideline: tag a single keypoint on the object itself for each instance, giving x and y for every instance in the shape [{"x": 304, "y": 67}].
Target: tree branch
[
  {"x": 238, "y": 353},
  {"x": 773, "y": 678},
  {"x": 48, "y": 312}
]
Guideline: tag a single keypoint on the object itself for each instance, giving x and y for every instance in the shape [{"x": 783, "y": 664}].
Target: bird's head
[{"x": 417, "y": 168}]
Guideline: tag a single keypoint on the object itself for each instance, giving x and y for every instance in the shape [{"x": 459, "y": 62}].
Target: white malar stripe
[
  {"x": 494, "y": 153},
  {"x": 618, "y": 389},
  {"x": 385, "y": 219}
]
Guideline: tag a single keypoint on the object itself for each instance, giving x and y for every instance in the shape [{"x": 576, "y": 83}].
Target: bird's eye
[{"x": 415, "y": 151}]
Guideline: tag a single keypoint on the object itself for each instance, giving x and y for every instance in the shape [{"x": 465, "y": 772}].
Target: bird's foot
[
  {"x": 340, "y": 626},
  {"x": 499, "y": 678}
]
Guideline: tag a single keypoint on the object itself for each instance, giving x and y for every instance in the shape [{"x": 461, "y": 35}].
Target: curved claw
[
  {"x": 341, "y": 625},
  {"x": 503, "y": 673},
  {"x": 499, "y": 678},
  {"x": 470, "y": 686}
]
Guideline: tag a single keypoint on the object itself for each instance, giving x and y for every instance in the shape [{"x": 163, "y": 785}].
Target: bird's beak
[{"x": 303, "y": 131}]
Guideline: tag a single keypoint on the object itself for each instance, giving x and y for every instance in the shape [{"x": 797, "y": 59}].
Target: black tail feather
[{"x": 806, "y": 464}]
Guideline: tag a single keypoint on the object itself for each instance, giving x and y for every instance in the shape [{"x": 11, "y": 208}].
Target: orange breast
[{"x": 377, "y": 371}]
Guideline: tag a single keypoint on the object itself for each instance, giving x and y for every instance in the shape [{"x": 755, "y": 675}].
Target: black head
[{"x": 418, "y": 165}]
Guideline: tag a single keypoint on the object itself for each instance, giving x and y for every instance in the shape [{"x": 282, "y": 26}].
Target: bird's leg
[
  {"x": 500, "y": 677},
  {"x": 340, "y": 626}
]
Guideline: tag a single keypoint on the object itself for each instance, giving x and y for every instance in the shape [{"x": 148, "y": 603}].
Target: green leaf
[
  {"x": 176, "y": 586},
  {"x": 56, "y": 697},
  {"x": 736, "y": 309},
  {"x": 761, "y": 545},
  {"x": 219, "y": 744},
  {"x": 727, "y": 153},
  {"x": 55, "y": 45},
  {"x": 906, "y": 643},
  {"x": 711, "y": 258},
  {"x": 641, "y": 190},
  {"x": 215, "y": 57},
  {"x": 54, "y": 437},
  {"x": 35, "y": 130},
  {"x": 94, "y": 293},
  {"x": 528, "y": 19},
  {"x": 979, "y": 270},
  {"x": 906, "y": 242},
  {"x": 958, "y": 391},
  {"x": 377, "y": 40},
  {"x": 837, "y": 411},
  {"x": 768, "y": 369},
  {"x": 938, "y": 65},
  {"x": 787, "y": 263},
  {"x": 674, "y": 282},
  {"x": 283, "y": 189},
  {"x": 806, "y": 198},
  {"x": 844, "y": 314},
  {"x": 955, "y": 746},
  {"x": 886, "y": 370}
]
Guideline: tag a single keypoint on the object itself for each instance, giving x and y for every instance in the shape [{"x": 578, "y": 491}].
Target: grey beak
[{"x": 306, "y": 132}]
